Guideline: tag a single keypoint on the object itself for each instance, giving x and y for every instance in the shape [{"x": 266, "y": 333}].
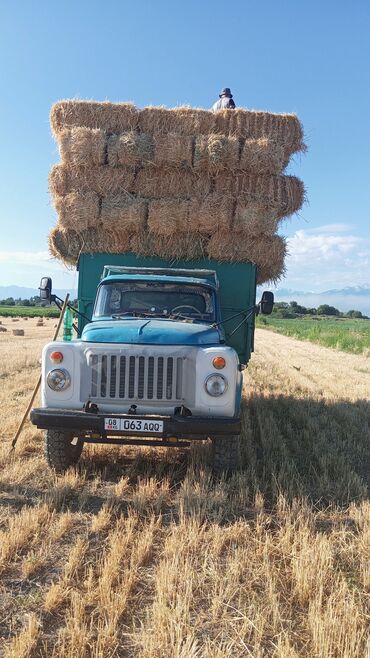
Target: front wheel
[
  {"x": 62, "y": 449},
  {"x": 226, "y": 454}
]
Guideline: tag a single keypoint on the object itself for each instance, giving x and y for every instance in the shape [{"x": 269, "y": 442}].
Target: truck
[{"x": 158, "y": 358}]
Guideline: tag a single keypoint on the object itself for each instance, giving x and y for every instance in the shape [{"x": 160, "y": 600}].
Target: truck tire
[
  {"x": 226, "y": 455},
  {"x": 60, "y": 452}
]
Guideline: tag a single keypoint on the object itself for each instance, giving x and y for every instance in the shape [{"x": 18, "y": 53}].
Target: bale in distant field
[
  {"x": 123, "y": 212},
  {"x": 173, "y": 150},
  {"x": 214, "y": 152},
  {"x": 211, "y": 213},
  {"x": 113, "y": 117},
  {"x": 103, "y": 180},
  {"x": 262, "y": 156},
  {"x": 18, "y": 332},
  {"x": 82, "y": 147},
  {"x": 15, "y": 319},
  {"x": 179, "y": 246},
  {"x": 130, "y": 149},
  {"x": 161, "y": 182},
  {"x": 3, "y": 329},
  {"x": 168, "y": 216},
  {"x": 285, "y": 194},
  {"x": 266, "y": 251},
  {"x": 78, "y": 210},
  {"x": 181, "y": 120}
]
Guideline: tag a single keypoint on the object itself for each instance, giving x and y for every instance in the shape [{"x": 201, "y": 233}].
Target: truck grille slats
[{"x": 136, "y": 377}]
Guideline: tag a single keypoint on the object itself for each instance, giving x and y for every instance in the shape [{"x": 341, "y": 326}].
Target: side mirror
[
  {"x": 267, "y": 302},
  {"x": 45, "y": 288}
]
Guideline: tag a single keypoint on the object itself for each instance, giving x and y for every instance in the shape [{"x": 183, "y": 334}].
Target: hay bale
[
  {"x": 67, "y": 244},
  {"x": 285, "y": 129},
  {"x": 214, "y": 152},
  {"x": 284, "y": 194},
  {"x": 82, "y": 147},
  {"x": 18, "y": 332},
  {"x": 3, "y": 329},
  {"x": 78, "y": 210},
  {"x": 182, "y": 120},
  {"x": 179, "y": 246},
  {"x": 254, "y": 218},
  {"x": 266, "y": 251},
  {"x": 15, "y": 319},
  {"x": 130, "y": 149},
  {"x": 211, "y": 213},
  {"x": 123, "y": 212},
  {"x": 262, "y": 156},
  {"x": 168, "y": 216},
  {"x": 173, "y": 150},
  {"x": 113, "y": 117},
  {"x": 102, "y": 180},
  {"x": 160, "y": 182}
]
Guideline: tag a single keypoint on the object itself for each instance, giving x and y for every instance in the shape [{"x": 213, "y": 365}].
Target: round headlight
[
  {"x": 59, "y": 379},
  {"x": 215, "y": 385}
]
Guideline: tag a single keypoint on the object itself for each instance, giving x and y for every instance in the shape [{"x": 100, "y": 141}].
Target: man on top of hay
[{"x": 225, "y": 102}]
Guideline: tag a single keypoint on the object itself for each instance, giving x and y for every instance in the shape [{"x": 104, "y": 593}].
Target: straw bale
[
  {"x": 78, "y": 210},
  {"x": 113, "y": 117},
  {"x": 173, "y": 149},
  {"x": 182, "y": 120},
  {"x": 168, "y": 216},
  {"x": 254, "y": 218},
  {"x": 130, "y": 149},
  {"x": 158, "y": 182},
  {"x": 67, "y": 244},
  {"x": 285, "y": 129},
  {"x": 262, "y": 156},
  {"x": 216, "y": 152},
  {"x": 179, "y": 246},
  {"x": 211, "y": 213},
  {"x": 82, "y": 146},
  {"x": 123, "y": 212},
  {"x": 266, "y": 251},
  {"x": 103, "y": 180},
  {"x": 285, "y": 194}
]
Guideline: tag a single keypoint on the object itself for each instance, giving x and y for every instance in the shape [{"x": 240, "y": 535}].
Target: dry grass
[
  {"x": 173, "y": 150},
  {"x": 139, "y": 553},
  {"x": 113, "y": 117},
  {"x": 78, "y": 210},
  {"x": 262, "y": 156},
  {"x": 162, "y": 182},
  {"x": 101, "y": 180},
  {"x": 216, "y": 152},
  {"x": 130, "y": 149},
  {"x": 82, "y": 147},
  {"x": 123, "y": 212},
  {"x": 284, "y": 194}
]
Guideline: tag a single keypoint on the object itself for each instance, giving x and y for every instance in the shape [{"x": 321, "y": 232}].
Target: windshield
[{"x": 153, "y": 299}]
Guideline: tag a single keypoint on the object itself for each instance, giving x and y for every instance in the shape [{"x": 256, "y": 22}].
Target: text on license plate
[{"x": 133, "y": 425}]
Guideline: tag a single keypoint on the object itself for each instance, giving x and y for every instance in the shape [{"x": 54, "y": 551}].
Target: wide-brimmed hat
[{"x": 225, "y": 92}]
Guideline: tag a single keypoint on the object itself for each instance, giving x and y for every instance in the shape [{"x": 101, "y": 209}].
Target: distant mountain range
[
  {"x": 345, "y": 299},
  {"x": 25, "y": 293}
]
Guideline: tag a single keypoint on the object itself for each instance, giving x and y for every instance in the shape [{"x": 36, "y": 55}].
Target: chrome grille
[{"x": 136, "y": 377}]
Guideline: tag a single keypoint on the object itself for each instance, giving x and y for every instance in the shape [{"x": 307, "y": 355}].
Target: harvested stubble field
[{"x": 138, "y": 553}]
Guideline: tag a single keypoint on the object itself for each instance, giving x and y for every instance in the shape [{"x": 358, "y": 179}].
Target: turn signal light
[
  {"x": 56, "y": 357},
  {"x": 219, "y": 362}
]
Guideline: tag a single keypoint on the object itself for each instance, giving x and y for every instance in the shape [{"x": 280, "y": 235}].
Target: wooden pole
[{"x": 24, "y": 418}]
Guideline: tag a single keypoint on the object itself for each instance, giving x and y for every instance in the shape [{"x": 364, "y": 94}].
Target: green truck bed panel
[{"x": 237, "y": 289}]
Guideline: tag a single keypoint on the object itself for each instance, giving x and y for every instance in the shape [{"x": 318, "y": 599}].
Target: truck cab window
[{"x": 157, "y": 300}]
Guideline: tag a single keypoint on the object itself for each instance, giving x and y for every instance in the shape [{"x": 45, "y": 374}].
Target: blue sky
[{"x": 312, "y": 58}]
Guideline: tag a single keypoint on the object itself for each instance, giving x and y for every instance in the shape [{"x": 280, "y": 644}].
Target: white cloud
[
  {"x": 25, "y": 268},
  {"x": 333, "y": 258}
]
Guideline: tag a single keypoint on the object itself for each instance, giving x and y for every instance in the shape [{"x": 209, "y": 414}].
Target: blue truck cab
[{"x": 158, "y": 358}]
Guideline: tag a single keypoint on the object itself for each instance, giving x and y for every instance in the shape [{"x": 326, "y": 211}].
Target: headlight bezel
[
  {"x": 218, "y": 376},
  {"x": 64, "y": 373}
]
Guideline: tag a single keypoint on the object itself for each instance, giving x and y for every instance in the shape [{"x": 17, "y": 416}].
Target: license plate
[{"x": 134, "y": 425}]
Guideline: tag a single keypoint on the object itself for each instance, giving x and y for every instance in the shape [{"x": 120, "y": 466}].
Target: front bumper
[{"x": 83, "y": 423}]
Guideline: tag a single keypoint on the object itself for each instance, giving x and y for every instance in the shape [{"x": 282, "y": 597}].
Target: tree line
[{"x": 294, "y": 310}]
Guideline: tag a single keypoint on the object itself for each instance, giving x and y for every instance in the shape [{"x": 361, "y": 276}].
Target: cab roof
[{"x": 159, "y": 278}]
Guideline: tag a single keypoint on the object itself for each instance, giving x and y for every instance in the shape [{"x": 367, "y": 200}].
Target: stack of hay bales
[{"x": 180, "y": 184}]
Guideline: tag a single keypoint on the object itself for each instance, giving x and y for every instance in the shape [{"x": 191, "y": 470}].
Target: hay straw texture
[
  {"x": 78, "y": 210},
  {"x": 211, "y": 213},
  {"x": 113, "y": 117},
  {"x": 158, "y": 182},
  {"x": 82, "y": 146},
  {"x": 168, "y": 216},
  {"x": 123, "y": 212},
  {"x": 67, "y": 244},
  {"x": 181, "y": 120},
  {"x": 179, "y": 246},
  {"x": 284, "y": 128},
  {"x": 254, "y": 218},
  {"x": 130, "y": 149},
  {"x": 216, "y": 152},
  {"x": 173, "y": 150},
  {"x": 285, "y": 194},
  {"x": 102, "y": 180},
  {"x": 262, "y": 156},
  {"x": 266, "y": 251}
]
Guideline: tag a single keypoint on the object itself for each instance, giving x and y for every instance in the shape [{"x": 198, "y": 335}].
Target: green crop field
[
  {"x": 29, "y": 311},
  {"x": 347, "y": 335}
]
